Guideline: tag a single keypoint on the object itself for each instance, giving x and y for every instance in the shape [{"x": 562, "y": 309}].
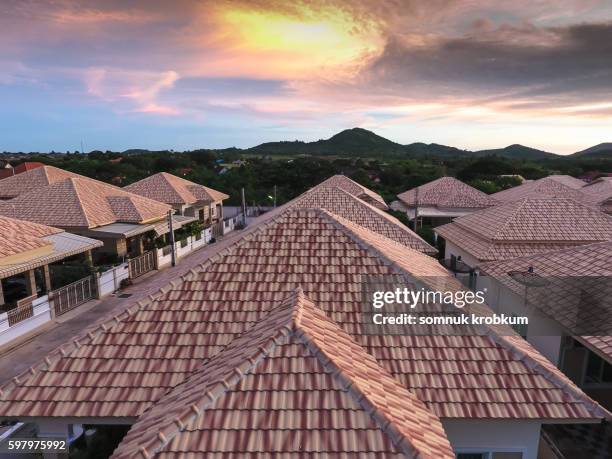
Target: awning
[
  {"x": 64, "y": 245},
  {"x": 120, "y": 230}
]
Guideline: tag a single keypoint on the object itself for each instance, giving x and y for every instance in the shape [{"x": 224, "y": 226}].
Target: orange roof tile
[
  {"x": 19, "y": 236},
  {"x": 528, "y": 226},
  {"x": 553, "y": 186},
  {"x": 79, "y": 202},
  {"x": 260, "y": 375},
  {"x": 123, "y": 366},
  {"x": 173, "y": 190},
  {"x": 344, "y": 204},
  {"x": 354, "y": 188},
  {"x": 447, "y": 192},
  {"x": 33, "y": 179}
]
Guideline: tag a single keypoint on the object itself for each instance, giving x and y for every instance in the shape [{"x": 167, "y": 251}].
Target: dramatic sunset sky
[{"x": 187, "y": 74}]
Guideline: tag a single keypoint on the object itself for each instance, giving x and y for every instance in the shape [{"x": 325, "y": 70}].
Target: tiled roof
[
  {"x": 553, "y": 186},
  {"x": 569, "y": 273},
  {"x": 82, "y": 203},
  {"x": 125, "y": 365},
  {"x": 19, "y": 236},
  {"x": 601, "y": 192},
  {"x": 294, "y": 384},
  {"x": 173, "y": 190},
  {"x": 344, "y": 204},
  {"x": 528, "y": 226},
  {"x": 447, "y": 192},
  {"x": 354, "y": 188},
  {"x": 33, "y": 179}
]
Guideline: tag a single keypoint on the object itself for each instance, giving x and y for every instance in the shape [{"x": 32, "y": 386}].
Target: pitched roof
[
  {"x": 528, "y": 226},
  {"x": 568, "y": 274},
  {"x": 601, "y": 192},
  {"x": 447, "y": 192},
  {"x": 19, "y": 236},
  {"x": 123, "y": 366},
  {"x": 173, "y": 190},
  {"x": 254, "y": 396},
  {"x": 33, "y": 179},
  {"x": 344, "y": 204},
  {"x": 354, "y": 188},
  {"x": 553, "y": 186},
  {"x": 80, "y": 202}
]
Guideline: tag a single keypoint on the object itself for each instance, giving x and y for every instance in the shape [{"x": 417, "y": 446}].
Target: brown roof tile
[
  {"x": 173, "y": 190},
  {"x": 33, "y": 179},
  {"x": 354, "y": 188},
  {"x": 79, "y": 202},
  {"x": 20, "y": 236},
  {"x": 553, "y": 186},
  {"x": 346, "y": 205},
  {"x": 125, "y": 365},
  {"x": 447, "y": 192},
  {"x": 528, "y": 226},
  {"x": 307, "y": 387}
]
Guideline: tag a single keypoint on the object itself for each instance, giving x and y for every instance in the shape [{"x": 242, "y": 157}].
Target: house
[
  {"x": 521, "y": 228},
  {"x": 125, "y": 222},
  {"x": 354, "y": 188},
  {"x": 348, "y": 206},
  {"x": 8, "y": 171},
  {"x": 186, "y": 197},
  {"x": 32, "y": 179},
  {"x": 567, "y": 295},
  {"x": 442, "y": 200},
  {"x": 601, "y": 192},
  {"x": 33, "y": 261},
  {"x": 262, "y": 349},
  {"x": 553, "y": 186}
]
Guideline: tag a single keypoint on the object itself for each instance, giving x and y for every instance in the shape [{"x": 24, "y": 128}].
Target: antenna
[{"x": 82, "y": 151}]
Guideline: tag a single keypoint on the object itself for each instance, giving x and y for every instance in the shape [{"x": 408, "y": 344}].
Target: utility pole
[
  {"x": 243, "y": 208},
  {"x": 275, "y": 196},
  {"x": 416, "y": 208},
  {"x": 172, "y": 246}
]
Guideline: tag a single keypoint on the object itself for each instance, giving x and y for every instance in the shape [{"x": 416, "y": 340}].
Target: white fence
[
  {"x": 41, "y": 313},
  {"x": 110, "y": 281},
  {"x": 182, "y": 248}
]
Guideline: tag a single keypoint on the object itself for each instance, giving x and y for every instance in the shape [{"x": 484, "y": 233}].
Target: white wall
[
  {"x": 192, "y": 245},
  {"x": 467, "y": 435},
  {"x": 452, "y": 249},
  {"x": 109, "y": 281},
  {"x": 543, "y": 333},
  {"x": 42, "y": 315}
]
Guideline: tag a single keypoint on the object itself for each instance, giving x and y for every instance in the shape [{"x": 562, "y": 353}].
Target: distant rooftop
[
  {"x": 32, "y": 179},
  {"x": 173, "y": 190},
  {"x": 447, "y": 193},
  {"x": 354, "y": 188},
  {"x": 553, "y": 186}
]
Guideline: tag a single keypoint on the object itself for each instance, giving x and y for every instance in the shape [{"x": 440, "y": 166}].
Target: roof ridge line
[
  {"x": 164, "y": 176},
  {"x": 74, "y": 186}
]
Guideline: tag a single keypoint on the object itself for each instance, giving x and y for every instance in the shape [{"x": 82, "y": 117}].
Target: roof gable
[
  {"x": 295, "y": 338},
  {"x": 447, "y": 192},
  {"x": 354, "y": 188}
]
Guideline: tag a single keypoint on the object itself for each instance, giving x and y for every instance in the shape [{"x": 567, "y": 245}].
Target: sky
[{"x": 185, "y": 74}]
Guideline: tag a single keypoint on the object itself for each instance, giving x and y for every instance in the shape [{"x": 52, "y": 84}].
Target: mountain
[
  {"x": 356, "y": 141},
  {"x": 603, "y": 150},
  {"x": 517, "y": 151}
]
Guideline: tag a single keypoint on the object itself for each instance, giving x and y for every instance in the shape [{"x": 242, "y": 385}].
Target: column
[
  {"x": 47, "y": 277},
  {"x": 56, "y": 430},
  {"x": 1, "y": 293},
  {"x": 30, "y": 282}
]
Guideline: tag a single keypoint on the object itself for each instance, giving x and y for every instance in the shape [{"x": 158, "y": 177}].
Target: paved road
[{"x": 14, "y": 359}]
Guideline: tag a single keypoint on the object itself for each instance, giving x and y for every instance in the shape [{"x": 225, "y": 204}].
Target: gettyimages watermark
[{"x": 442, "y": 306}]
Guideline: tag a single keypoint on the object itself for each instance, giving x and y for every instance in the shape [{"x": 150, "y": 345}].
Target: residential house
[
  {"x": 567, "y": 296},
  {"x": 125, "y": 222},
  {"x": 32, "y": 179},
  {"x": 553, "y": 186},
  {"x": 521, "y": 228},
  {"x": 33, "y": 262},
  {"x": 186, "y": 197},
  {"x": 262, "y": 349},
  {"x": 9, "y": 171},
  {"x": 354, "y": 188},
  {"x": 442, "y": 200},
  {"x": 601, "y": 191}
]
